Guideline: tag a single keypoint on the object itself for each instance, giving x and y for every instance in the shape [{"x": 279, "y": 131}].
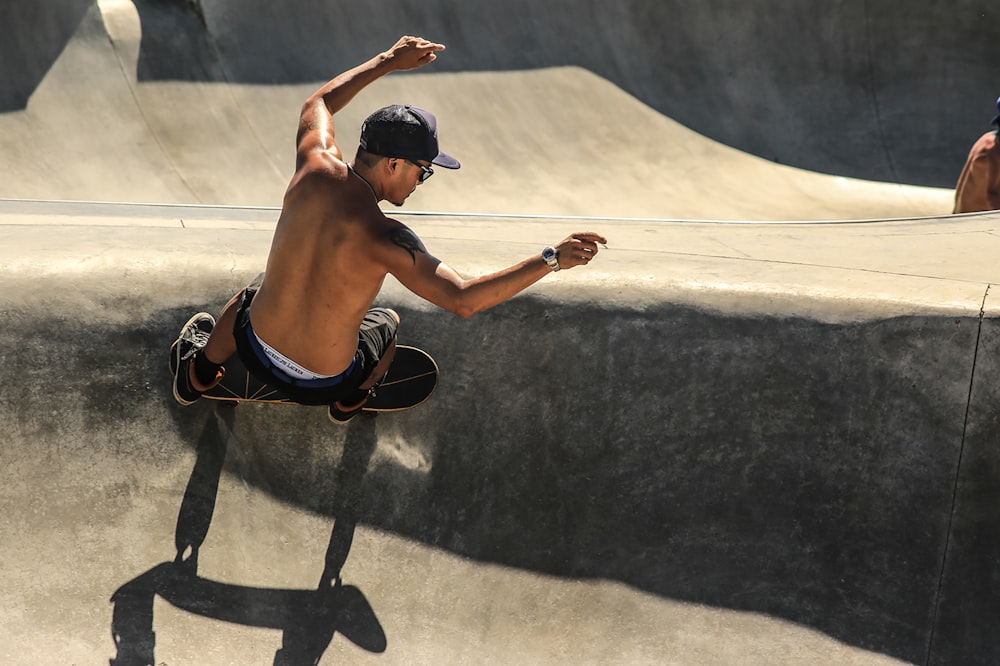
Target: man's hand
[
  {"x": 579, "y": 249},
  {"x": 412, "y": 52}
]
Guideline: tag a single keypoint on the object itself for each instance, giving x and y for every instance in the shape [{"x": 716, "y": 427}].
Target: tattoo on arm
[{"x": 408, "y": 240}]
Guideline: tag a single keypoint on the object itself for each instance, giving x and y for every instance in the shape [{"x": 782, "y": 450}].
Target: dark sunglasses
[{"x": 425, "y": 172}]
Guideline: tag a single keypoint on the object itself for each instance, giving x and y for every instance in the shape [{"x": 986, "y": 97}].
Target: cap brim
[{"x": 447, "y": 161}]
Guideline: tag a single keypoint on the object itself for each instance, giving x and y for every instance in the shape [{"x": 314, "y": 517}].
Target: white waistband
[{"x": 287, "y": 364}]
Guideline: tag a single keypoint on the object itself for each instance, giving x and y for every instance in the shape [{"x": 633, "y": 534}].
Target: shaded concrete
[
  {"x": 970, "y": 575},
  {"x": 877, "y": 90},
  {"x": 34, "y": 37}
]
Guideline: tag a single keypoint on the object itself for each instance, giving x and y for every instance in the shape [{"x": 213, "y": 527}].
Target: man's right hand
[{"x": 412, "y": 52}]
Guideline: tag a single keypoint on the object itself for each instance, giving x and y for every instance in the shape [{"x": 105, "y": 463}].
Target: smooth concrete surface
[
  {"x": 654, "y": 460},
  {"x": 722, "y": 443}
]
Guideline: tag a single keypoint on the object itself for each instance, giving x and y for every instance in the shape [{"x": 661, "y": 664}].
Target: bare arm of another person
[
  {"x": 971, "y": 191},
  {"x": 420, "y": 272}
]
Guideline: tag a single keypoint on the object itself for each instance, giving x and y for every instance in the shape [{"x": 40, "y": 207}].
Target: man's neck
[{"x": 366, "y": 182}]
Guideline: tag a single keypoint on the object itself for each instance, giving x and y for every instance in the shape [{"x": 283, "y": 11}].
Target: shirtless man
[{"x": 312, "y": 333}]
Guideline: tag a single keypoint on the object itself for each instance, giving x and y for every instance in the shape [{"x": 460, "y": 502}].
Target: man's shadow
[{"x": 308, "y": 619}]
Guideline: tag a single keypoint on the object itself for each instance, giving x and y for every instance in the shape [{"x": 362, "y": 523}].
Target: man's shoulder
[
  {"x": 987, "y": 141},
  {"x": 326, "y": 185},
  {"x": 321, "y": 167},
  {"x": 391, "y": 226},
  {"x": 986, "y": 149}
]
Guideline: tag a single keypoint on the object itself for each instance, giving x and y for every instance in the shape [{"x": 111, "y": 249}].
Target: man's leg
[
  {"x": 197, "y": 356},
  {"x": 379, "y": 340},
  {"x": 380, "y": 370},
  {"x": 211, "y": 345},
  {"x": 222, "y": 343}
]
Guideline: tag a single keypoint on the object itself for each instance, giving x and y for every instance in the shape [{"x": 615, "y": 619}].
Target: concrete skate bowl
[
  {"x": 810, "y": 473},
  {"x": 717, "y": 424},
  {"x": 649, "y": 109}
]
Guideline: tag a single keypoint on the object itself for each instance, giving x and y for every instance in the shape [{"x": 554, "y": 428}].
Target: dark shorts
[{"x": 378, "y": 330}]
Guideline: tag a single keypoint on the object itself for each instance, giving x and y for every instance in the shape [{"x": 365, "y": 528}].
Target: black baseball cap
[
  {"x": 406, "y": 132},
  {"x": 996, "y": 121}
]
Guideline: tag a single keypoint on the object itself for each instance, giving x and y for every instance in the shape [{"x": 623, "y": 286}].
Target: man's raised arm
[{"x": 316, "y": 120}]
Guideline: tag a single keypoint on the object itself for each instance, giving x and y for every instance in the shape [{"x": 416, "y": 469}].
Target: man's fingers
[
  {"x": 590, "y": 236},
  {"x": 422, "y": 43},
  {"x": 415, "y": 51}
]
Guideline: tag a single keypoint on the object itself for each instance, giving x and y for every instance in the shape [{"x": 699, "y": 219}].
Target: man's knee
[{"x": 382, "y": 316}]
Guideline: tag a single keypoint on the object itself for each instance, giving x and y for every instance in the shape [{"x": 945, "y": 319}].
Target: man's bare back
[
  {"x": 333, "y": 245},
  {"x": 321, "y": 273}
]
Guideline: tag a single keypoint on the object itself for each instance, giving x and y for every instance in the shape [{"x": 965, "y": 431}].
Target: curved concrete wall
[
  {"x": 835, "y": 470},
  {"x": 560, "y": 103},
  {"x": 872, "y": 90}
]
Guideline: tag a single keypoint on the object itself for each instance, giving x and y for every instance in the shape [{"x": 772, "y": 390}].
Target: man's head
[
  {"x": 404, "y": 132},
  {"x": 996, "y": 121}
]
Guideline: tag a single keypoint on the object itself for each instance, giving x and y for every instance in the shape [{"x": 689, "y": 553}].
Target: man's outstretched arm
[
  {"x": 438, "y": 283},
  {"x": 316, "y": 130}
]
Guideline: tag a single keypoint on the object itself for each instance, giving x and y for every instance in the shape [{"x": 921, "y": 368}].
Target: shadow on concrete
[
  {"x": 25, "y": 58},
  {"x": 710, "y": 459},
  {"x": 971, "y": 577},
  {"x": 308, "y": 619},
  {"x": 175, "y": 43},
  {"x": 775, "y": 465}
]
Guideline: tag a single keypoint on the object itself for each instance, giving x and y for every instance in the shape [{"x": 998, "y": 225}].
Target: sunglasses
[{"x": 425, "y": 172}]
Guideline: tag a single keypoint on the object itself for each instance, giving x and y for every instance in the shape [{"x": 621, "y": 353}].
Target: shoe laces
[{"x": 196, "y": 339}]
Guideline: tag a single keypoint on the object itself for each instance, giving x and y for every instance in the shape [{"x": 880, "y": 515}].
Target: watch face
[{"x": 551, "y": 256}]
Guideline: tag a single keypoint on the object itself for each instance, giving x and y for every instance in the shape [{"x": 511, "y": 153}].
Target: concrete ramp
[
  {"x": 628, "y": 464},
  {"x": 860, "y": 89},
  {"x": 555, "y": 109}
]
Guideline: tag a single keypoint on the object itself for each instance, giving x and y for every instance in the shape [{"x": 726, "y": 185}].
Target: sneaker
[
  {"x": 192, "y": 339},
  {"x": 340, "y": 413}
]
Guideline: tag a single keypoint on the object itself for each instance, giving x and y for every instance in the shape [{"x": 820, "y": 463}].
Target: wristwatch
[{"x": 551, "y": 257}]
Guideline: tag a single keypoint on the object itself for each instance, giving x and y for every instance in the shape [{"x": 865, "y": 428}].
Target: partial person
[
  {"x": 978, "y": 186},
  {"x": 306, "y": 325}
]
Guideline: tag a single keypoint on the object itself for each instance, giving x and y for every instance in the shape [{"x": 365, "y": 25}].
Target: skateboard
[{"x": 410, "y": 381}]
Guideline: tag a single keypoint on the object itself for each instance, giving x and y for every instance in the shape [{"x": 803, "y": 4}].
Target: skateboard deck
[{"x": 410, "y": 381}]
